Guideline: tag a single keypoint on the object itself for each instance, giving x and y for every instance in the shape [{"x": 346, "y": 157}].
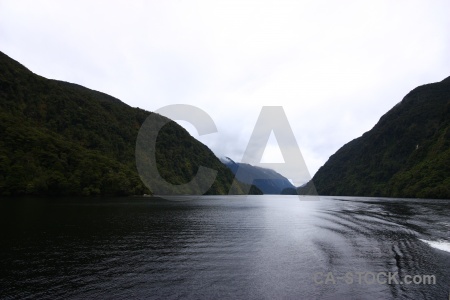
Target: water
[{"x": 231, "y": 247}]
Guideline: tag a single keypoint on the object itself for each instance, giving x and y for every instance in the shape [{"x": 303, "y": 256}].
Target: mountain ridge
[
  {"x": 60, "y": 138},
  {"x": 406, "y": 154},
  {"x": 267, "y": 180}
]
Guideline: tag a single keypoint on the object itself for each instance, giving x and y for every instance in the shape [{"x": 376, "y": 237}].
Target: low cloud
[{"x": 335, "y": 67}]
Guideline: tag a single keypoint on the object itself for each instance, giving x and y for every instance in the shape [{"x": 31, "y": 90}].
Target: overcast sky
[{"x": 334, "y": 66}]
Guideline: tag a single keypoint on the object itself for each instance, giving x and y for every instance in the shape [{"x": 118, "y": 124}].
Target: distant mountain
[
  {"x": 267, "y": 180},
  {"x": 59, "y": 138},
  {"x": 406, "y": 154}
]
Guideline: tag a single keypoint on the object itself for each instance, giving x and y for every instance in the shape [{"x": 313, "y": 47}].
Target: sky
[{"x": 335, "y": 67}]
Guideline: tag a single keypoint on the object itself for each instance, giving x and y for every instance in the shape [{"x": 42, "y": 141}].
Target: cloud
[{"x": 335, "y": 67}]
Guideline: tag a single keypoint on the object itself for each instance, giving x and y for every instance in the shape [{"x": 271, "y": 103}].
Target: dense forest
[
  {"x": 60, "y": 138},
  {"x": 406, "y": 154}
]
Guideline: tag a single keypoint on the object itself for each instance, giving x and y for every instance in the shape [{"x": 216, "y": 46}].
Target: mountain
[
  {"x": 59, "y": 138},
  {"x": 267, "y": 180},
  {"x": 406, "y": 154}
]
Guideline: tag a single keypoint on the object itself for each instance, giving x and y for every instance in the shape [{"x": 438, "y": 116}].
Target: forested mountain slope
[
  {"x": 406, "y": 154},
  {"x": 59, "y": 138}
]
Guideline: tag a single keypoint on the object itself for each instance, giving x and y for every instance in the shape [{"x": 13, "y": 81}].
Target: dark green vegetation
[
  {"x": 406, "y": 154},
  {"x": 59, "y": 138},
  {"x": 267, "y": 180}
]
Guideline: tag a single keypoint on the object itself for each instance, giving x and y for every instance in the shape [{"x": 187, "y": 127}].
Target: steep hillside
[
  {"x": 60, "y": 138},
  {"x": 267, "y": 180},
  {"x": 406, "y": 154}
]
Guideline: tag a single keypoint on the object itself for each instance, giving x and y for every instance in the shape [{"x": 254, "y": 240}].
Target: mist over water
[{"x": 227, "y": 247}]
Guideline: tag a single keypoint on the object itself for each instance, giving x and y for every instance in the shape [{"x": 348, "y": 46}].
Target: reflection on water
[{"x": 255, "y": 247}]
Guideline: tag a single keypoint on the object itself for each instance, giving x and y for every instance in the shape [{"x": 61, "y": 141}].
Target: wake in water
[
  {"x": 440, "y": 244},
  {"x": 239, "y": 247}
]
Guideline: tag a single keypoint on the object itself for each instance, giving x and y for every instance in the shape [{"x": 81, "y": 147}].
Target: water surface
[{"x": 227, "y": 247}]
